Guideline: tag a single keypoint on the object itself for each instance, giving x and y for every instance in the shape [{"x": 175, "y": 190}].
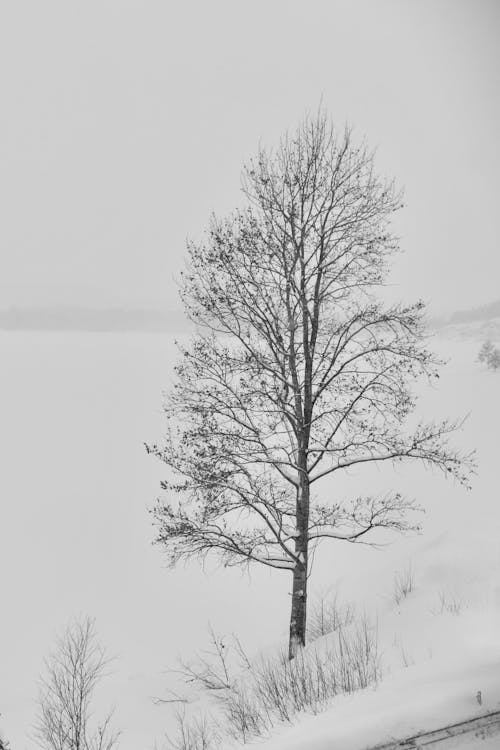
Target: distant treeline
[
  {"x": 83, "y": 319},
  {"x": 122, "y": 319},
  {"x": 485, "y": 312}
]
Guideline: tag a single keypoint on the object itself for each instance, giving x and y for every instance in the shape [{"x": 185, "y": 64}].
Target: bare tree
[
  {"x": 73, "y": 671},
  {"x": 298, "y": 370},
  {"x": 489, "y": 355}
]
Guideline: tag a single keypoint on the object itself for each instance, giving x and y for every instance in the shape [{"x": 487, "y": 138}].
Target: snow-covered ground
[
  {"x": 440, "y": 645},
  {"x": 76, "y": 537},
  {"x": 436, "y": 664}
]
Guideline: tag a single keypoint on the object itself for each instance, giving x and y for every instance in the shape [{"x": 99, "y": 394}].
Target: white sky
[{"x": 124, "y": 123}]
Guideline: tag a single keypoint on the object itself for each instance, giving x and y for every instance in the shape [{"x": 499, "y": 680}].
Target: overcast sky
[{"x": 124, "y": 123}]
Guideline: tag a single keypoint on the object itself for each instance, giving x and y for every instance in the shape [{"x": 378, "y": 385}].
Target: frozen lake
[{"x": 75, "y": 486}]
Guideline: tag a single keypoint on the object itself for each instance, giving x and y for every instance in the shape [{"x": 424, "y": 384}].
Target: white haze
[{"x": 126, "y": 122}]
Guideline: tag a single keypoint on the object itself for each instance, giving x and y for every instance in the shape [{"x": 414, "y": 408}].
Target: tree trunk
[
  {"x": 298, "y": 614},
  {"x": 299, "y": 611}
]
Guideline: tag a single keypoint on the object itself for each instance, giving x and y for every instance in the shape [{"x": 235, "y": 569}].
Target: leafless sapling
[{"x": 72, "y": 673}]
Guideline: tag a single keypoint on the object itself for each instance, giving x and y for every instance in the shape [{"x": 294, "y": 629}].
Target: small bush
[
  {"x": 196, "y": 732},
  {"x": 403, "y": 584},
  {"x": 327, "y": 615},
  {"x": 272, "y": 689},
  {"x": 448, "y": 603},
  {"x": 489, "y": 355},
  {"x": 406, "y": 659}
]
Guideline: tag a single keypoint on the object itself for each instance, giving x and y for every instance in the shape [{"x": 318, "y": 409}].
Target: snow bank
[{"x": 463, "y": 660}]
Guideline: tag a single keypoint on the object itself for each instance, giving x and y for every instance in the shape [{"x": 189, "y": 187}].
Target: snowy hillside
[
  {"x": 440, "y": 655},
  {"x": 439, "y": 643}
]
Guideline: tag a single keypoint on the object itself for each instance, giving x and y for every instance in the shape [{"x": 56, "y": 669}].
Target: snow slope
[
  {"x": 435, "y": 666},
  {"x": 440, "y": 646}
]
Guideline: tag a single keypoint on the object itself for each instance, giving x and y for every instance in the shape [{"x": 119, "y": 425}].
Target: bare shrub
[
  {"x": 244, "y": 715},
  {"x": 406, "y": 657},
  {"x": 198, "y": 732},
  {"x": 73, "y": 672},
  {"x": 448, "y": 603},
  {"x": 403, "y": 584},
  {"x": 277, "y": 688},
  {"x": 212, "y": 669},
  {"x": 273, "y": 688},
  {"x": 329, "y": 615}
]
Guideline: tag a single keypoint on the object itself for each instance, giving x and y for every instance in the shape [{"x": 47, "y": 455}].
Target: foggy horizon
[{"x": 120, "y": 318}]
